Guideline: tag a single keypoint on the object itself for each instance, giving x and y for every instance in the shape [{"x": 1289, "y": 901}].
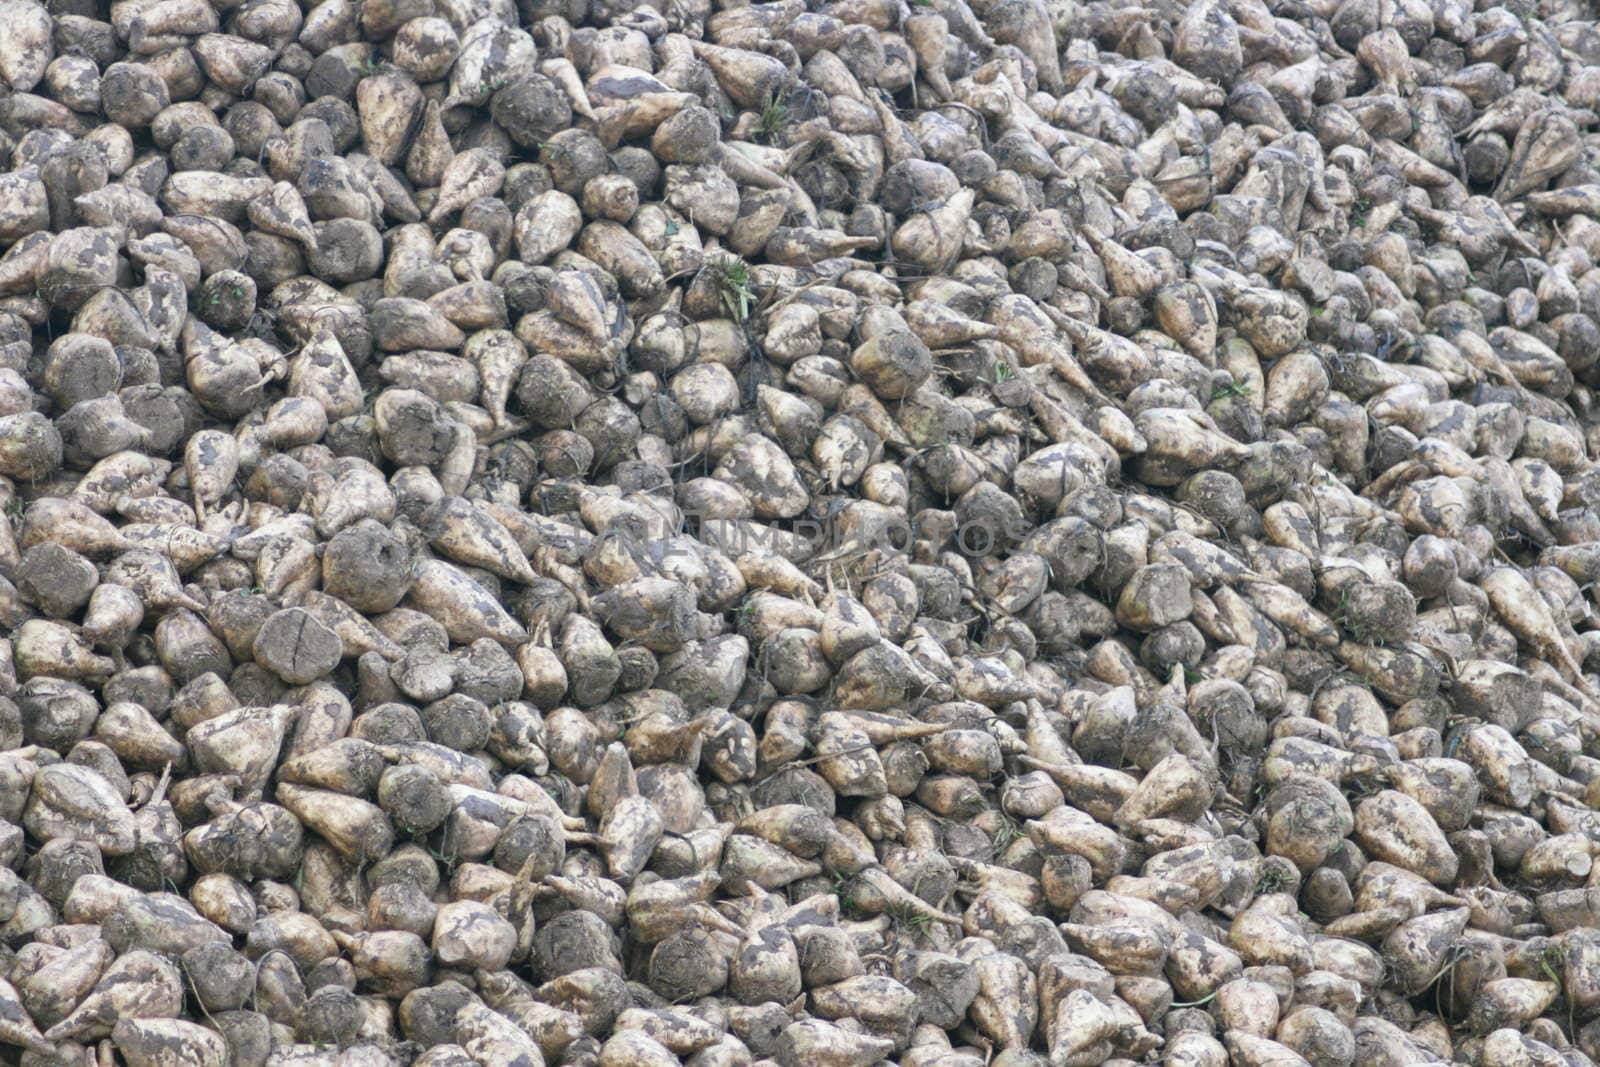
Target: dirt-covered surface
[{"x": 956, "y": 533}]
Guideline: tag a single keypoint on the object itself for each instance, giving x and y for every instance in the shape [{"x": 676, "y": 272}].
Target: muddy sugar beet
[{"x": 1044, "y": 533}]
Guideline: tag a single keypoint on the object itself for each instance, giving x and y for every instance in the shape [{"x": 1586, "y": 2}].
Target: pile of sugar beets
[{"x": 816, "y": 533}]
